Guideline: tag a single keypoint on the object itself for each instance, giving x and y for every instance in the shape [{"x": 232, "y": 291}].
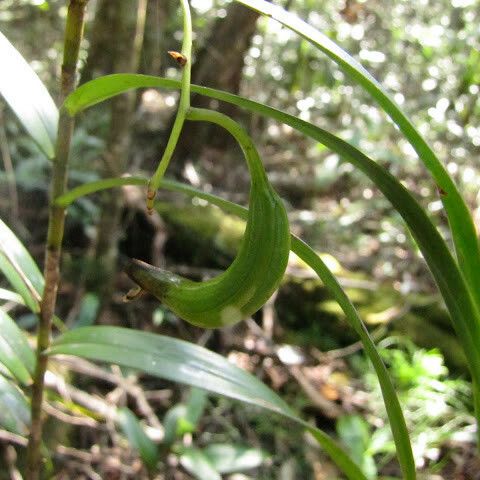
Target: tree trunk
[{"x": 154, "y": 48}]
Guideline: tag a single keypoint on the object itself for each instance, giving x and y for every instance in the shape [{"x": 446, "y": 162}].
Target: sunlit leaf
[
  {"x": 195, "y": 462},
  {"x": 229, "y": 458},
  {"x": 20, "y": 268},
  {"x": 354, "y": 431},
  {"x": 183, "y": 418},
  {"x": 175, "y": 424},
  {"x": 17, "y": 340},
  {"x": 28, "y": 97},
  {"x": 183, "y": 362},
  {"x": 15, "y": 352},
  {"x": 196, "y": 403},
  {"x": 10, "y": 296},
  {"x": 17, "y": 282}
]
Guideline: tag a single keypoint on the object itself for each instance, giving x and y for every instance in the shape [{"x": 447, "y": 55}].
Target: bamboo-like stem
[
  {"x": 183, "y": 107},
  {"x": 73, "y": 36}
]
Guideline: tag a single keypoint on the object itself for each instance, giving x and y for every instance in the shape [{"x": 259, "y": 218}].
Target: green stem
[
  {"x": 183, "y": 107},
  {"x": 255, "y": 166},
  {"x": 87, "y": 188},
  {"x": 73, "y": 36}
]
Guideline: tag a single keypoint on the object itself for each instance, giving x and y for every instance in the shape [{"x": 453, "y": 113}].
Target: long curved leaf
[
  {"x": 28, "y": 97},
  {"x": 15, "y": 352},
  {"x": 453, "y": 286},
  {"x": 463, "y": 229},
  {"x": 190, "y": 364},
  {"x": 19, "y": 267},
  {"x": 17, "y": 281},
  {"x": 17, "y": 340},
  {"x": 14, "y": 408},
  {"x": 308, "y": 255},
  {"x": 10, "y": 296}
]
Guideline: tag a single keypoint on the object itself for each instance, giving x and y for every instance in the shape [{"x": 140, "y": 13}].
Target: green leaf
[
  {"x": 228, "y": 458},
  {"x": 28, "y": 97},
  {"x": 183, "y": 418},
  {"x": 184, "y": 362},
  {"x": 197, "y": 401},
  {"x": 463, "y": 229},
  {"x": 15, "y": 352},
  {"x": 88, "y": 311},
  {"x": 197, "y": 464},
  {"x": 14, "y": 408},
  {"x": 20, "y": 268},
  {"x": 354, "y": 431},
  {"x": 175, "y": 425},
  {"x": 137, "y": 437},
  {"x": 17, "y": 281},
  {"x": 103, "y": 88}
]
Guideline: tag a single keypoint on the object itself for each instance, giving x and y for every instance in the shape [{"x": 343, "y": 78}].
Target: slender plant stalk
[
  {"x": 183, "y": 107},
  {"x": 73, "y": 36}
]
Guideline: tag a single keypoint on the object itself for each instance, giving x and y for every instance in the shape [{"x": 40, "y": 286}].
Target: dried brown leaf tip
[
  {"x": 178, "y": 57},
  {"x": 133, "y": 294}
]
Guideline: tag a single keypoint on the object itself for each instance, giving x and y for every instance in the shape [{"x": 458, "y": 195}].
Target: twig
[
  {"x": 13, "y": 438},
  {"x": 97, "y": 405},
  {"x": 11, "y": 461},
  {"x": 128, "y": 385},
  {"x": 328, "y": 408},
  {"x": 71, "y": 419},
  {"x": 92, "y": 458}
]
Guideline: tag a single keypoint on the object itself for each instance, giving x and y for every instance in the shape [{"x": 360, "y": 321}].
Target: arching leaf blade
[
  {"x": 14, "y": 408},
  {"x": 18, "y": 284},
  {"x": 464, "y": 234},
  {"x": 183, "y": 362},
  {"x": 28, "y": 97},
  {"x": 18, "y": 256},
  {"x": 310, "y": 257},
  {"x": 17, "y": 341}
]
